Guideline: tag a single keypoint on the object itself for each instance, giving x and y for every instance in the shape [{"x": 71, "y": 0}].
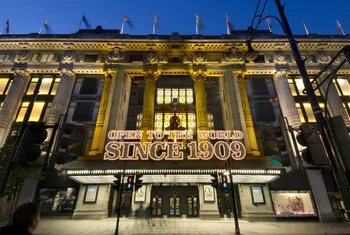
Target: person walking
[
  {"x": 148, "y": 214},
  {"x": 25, "y": 220}
]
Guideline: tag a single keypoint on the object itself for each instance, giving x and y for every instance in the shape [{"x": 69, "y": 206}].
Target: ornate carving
[
  {"x": 116, "y": 54},
  {"x": 151, "y": 74},
  {"x": 199, "y": 74},
  {"x": 323, "y": 55},
  {"x": 151, "y": 57},
  {"x": 67, "y": 74},
  {"x": 281, "y": 75},
  {"x": 20, "y": 75},
  {"x": 198, "y": 57},
  {"x": 233, "y": 55},
  {"x": 68, "y": 56},
  {"x": 23, "y": 55},
  {"x": 280, "y": 55}
]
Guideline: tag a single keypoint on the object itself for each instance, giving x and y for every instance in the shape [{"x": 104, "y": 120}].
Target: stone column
[
  {"x": 12, "y": 102},
  {"x": 63, "y": 94},
  {"x": 286, "y": 99},
  {"x": 148, "y": 103},
  {"x": 201, "y": 102},
  {"x": 101, "y": 114},
  {"x": 253, "y": 145},
  {"x": 334, "y": 104}
]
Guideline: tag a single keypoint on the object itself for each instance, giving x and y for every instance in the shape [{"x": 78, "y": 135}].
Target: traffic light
[
  {"x": 130, "y": 183},
  {"x": 277, "y": 143},
  {"x": 71, "y": 143},
  {"x": 214, "y": 181},
  {"x": 314, "y": 153},
  {"x": 342, "y": 139},
  {"x": 138, "y": 182},
  {"x": 117, "y": 182},
  {"x": 29, "y": 147},
  {"x": 224, "y": 183}
]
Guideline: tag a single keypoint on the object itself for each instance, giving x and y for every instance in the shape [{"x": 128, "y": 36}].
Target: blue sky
[{"x": 27, "y": 16}]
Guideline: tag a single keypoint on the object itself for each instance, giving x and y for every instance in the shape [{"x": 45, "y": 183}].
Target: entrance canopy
[{"x": 174, "y": 176}]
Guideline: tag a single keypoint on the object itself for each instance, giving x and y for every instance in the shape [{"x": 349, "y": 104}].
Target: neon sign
[{"x": 174, "y": 145}]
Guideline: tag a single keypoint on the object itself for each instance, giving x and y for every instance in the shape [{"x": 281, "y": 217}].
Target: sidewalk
[{"x": 185, "y": 226}]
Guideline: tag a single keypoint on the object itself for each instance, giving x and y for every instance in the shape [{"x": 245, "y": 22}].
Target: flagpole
[
  {"x": 4, "y": 26},
  {"x": 306, "y": 31},
  {"x": 268, "y": 25},
  {"x": 228, "y": 30},
  {"x": 340, "y": 27},
  {"x": 122, "y": 30},
  {"x": 154, "y": 26},
  {"x": 81, "y": 20},
  {"x": 196, "y": 26}
]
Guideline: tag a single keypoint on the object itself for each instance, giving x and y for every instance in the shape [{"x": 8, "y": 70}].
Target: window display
[
  {"x": 57, "y": 200},
  {"x": 293, "y": 203}
]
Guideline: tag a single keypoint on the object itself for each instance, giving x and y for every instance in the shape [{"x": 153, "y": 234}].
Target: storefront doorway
[{"x": 175, "y": 201}]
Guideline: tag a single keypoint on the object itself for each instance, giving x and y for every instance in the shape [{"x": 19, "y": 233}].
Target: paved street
[{"x": 185, "y": 226}]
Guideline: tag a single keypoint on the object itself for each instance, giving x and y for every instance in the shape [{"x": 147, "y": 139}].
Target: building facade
[{"x": 109, "y": 82}]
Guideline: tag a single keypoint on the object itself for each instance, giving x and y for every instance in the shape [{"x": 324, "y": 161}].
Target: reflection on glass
[
  {"x": 56, "y": 200},
  {"x": 3, "y": 83}
]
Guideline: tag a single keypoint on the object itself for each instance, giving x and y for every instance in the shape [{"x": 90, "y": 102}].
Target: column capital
[
  {"x": 281, "y": 75},
  {"x": 20, "y": 75},
  {"x": 151, "y": 74},
  {"x": 198, "y": 74},
  {"x": 240, "y": 74},
  {"x": 66, "y": 74}
]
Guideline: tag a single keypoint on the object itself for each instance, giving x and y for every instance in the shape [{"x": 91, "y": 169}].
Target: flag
[
  {"x": 127, "y": 20},
  {"x": 228, "y": 24},
  {"x": 340, "y": 28},
  {"x": 156, "y": 22},
  {"x": 269, "y": 24},
  {"x": 305, "y": 28},
  {"x": 7, "y": 26},
  {"x": 84, "y": 19},
  {"x": 199, "y": 22},
  {"x": 45, "y": 25}
]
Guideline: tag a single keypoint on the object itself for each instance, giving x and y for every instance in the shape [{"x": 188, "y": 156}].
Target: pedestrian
[
  {"x": 25, "y": 220},
  {"x": 148, "y": 214}
]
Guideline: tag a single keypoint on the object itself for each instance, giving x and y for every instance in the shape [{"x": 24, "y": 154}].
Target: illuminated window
[
  {"x": 166, "y": 96},
  {"x": 45, "y": 86},
  {"x": 15, "y": 59},
  {"x": 346, "y": 110},
  {"x": 309, "y": 112},
  {"x": 46, "y": 57},
  {"x": 344, "y": 86},
  {"x": 32, "y": 86},
  {"x": 162, "y": 121},
  {"x": 300, "y": 87},
  {"x": 210, "y": 121},
  {"x": 5, "y": 58},
  {"x": 139, "y": 121},
  {"x": 3, "y": 84},
  {"x": 35, "y": 114},
  {"x": 292, "y": 87},
  {"x": 300, "y": 112},
  {"x": 34, "y": 58},
  {"x": 55, "y": 85},
  {"x": 8, "y": 88}
]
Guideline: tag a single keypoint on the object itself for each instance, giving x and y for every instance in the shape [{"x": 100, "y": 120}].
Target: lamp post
[
  {"x": 234, "y": 204},
  {"x": 322, "y": 124}
]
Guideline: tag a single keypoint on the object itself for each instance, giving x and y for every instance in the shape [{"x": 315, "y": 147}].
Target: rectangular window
[
  {"x": 300, "y": 86},
  {"x": 32, "y": 86},
  {"x": 55, "y": 85},
  {"x": 35, "y": 114},
  {"x": 264, "y": 112},
  {"x": 8, "y": 88},
  {"x": 166, "y": 96},
  {"x": 269, "y": 59},
  {"x": 210, "y": 121},
  {"x": 15, "y": 59},
  {"x": 288, "y": 59},
  {"x": 3, "y": 84},
  {"x": 83, "y": 111},
  {"x": 46, "y": 57},
  {"x": 300, "y": 112},
  {"x": 34, "y": 58},
  {"x": 344, "y": 86},
  {"x": 89, "y": 86},
  {"x": 90, "y": 58},
  {"x": 292, "y": 87},
  {"x": 45, "y": 86},
  {"x": 313, "y": 59},
  {"x": 309, "y": 112},
  {"x": 5, "y": 57},
  {"x": 259, "y": 86}
]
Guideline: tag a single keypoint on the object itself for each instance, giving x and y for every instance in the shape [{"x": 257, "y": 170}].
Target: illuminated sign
[{"x": 122, "y": 145}]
